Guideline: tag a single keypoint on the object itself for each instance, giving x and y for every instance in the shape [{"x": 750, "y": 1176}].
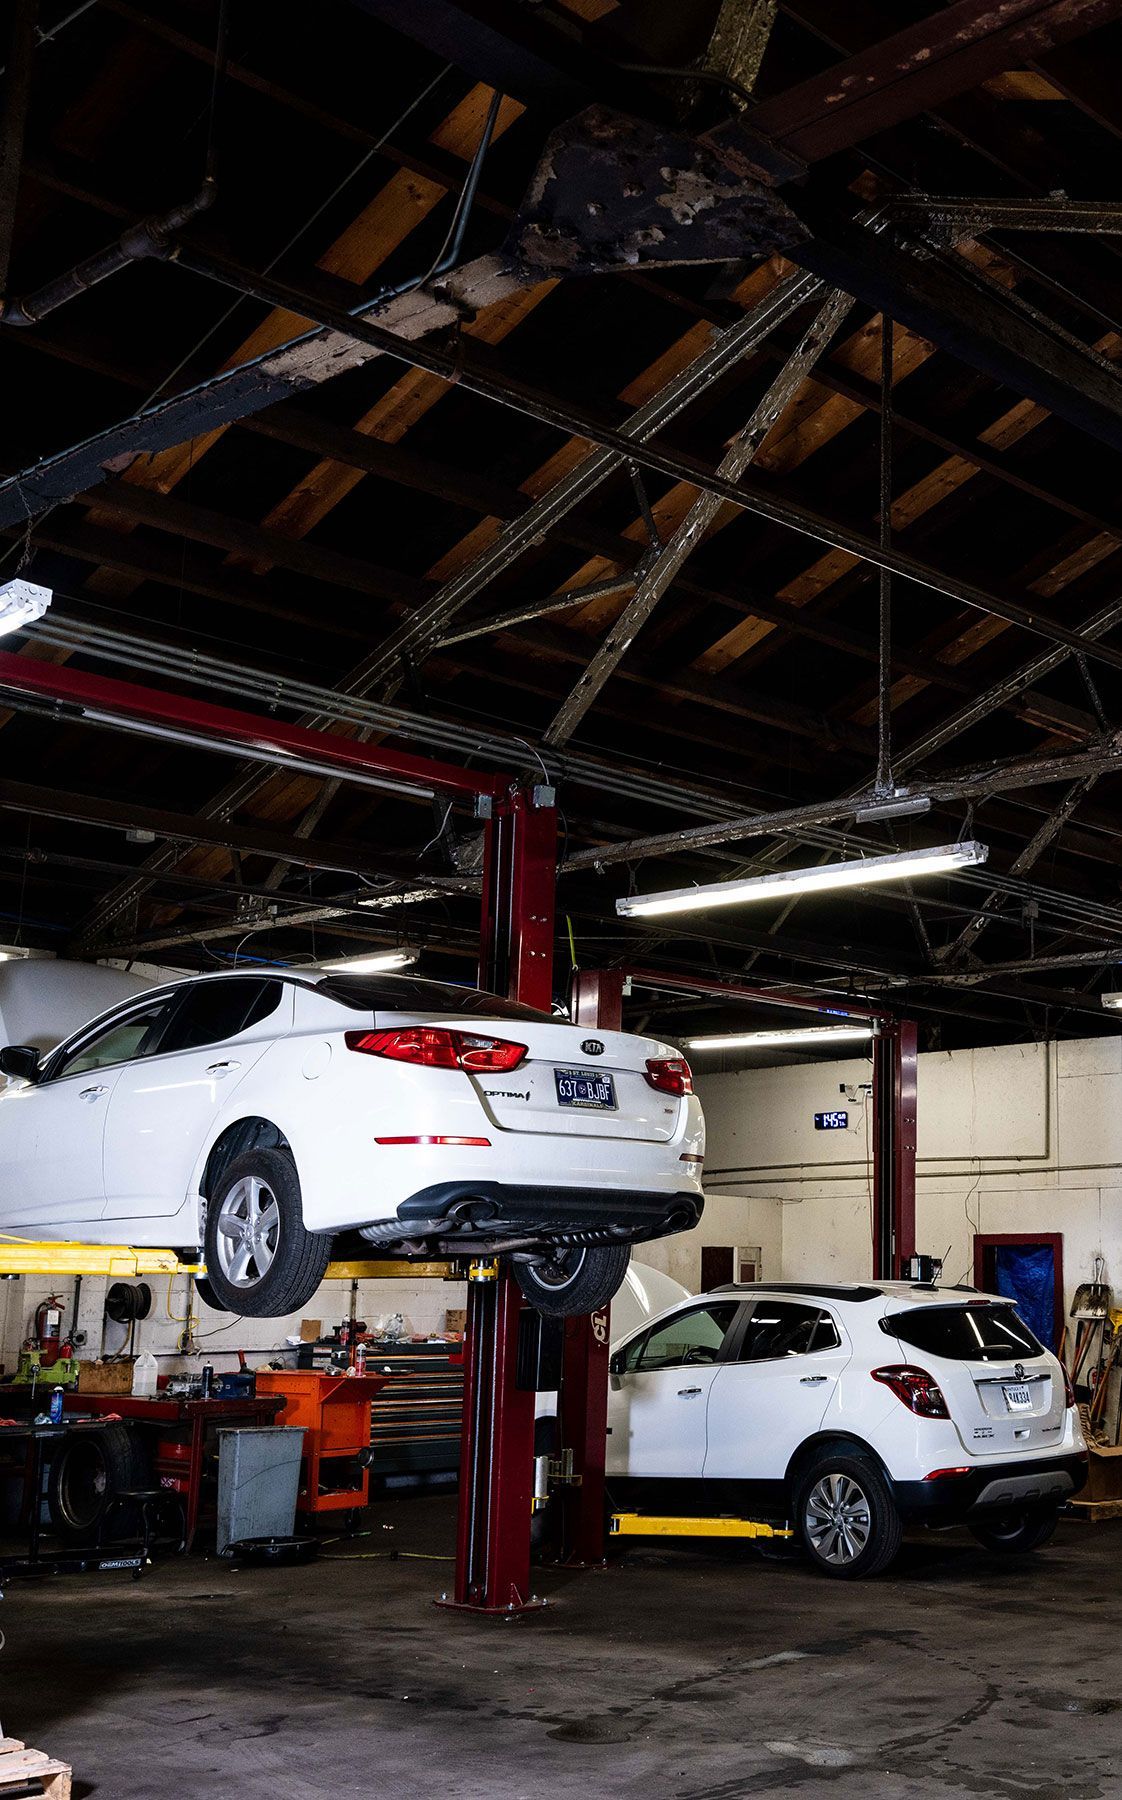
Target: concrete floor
[{"x": 698, "y": 1675}]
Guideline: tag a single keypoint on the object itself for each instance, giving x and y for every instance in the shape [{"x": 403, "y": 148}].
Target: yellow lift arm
[
  {"x": 22, "y": 1256},
  {"x": 648, "y": 1525}
]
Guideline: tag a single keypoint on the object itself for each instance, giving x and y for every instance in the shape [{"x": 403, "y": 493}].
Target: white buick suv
[
  {"x": 258, "y": 1115},
  {"x": 846, "y": 1410}
]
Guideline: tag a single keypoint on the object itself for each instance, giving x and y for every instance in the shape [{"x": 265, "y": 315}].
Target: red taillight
[
  {"x": 946, "y": 1474},
  {"x": 435, "y": 1047},
  {"x": 670, "y": 1074},
  {"x": 1069, "y": 1391},
  {"x": 915, "y": 1388}
]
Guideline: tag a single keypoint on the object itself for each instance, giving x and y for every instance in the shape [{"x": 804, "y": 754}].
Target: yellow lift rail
[
  {"x": 21, "y": 1256},
  {"x": 648, "y": 1525}
]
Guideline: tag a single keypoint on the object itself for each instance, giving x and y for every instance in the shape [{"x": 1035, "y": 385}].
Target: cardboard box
[
  {"x": 1104, "y": 1475},
  {"x": 455, "y": 1319},
  {"x": 311, "y": 1331},
  {"x": 105, "y": 1377}
]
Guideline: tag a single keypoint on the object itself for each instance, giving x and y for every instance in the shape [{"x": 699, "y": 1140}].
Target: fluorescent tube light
[
  {"x": 798, "y": 1034},
  {"x": 21, "y": 603},
  {"x": 1112, "y": 1001},
  {"x": 866, "y": 870},
  {"x": 377, "y": 963}
]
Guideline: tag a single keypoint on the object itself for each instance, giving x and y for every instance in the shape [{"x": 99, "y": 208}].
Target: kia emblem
[{"x": 592, "y": 1047}]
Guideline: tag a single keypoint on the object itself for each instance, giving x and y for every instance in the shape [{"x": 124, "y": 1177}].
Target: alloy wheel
[
  {"x": 248, "y": 1232},
  {"x": 838, "y": 1519}
]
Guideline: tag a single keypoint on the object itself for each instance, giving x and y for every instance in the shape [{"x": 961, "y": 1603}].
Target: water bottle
[
  {"x": 56, "y": 1406},
  {"x": 144, "y": 1372}
]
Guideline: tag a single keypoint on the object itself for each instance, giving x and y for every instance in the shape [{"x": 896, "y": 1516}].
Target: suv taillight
[
  {"x": 915, "y": 1388},
  {"x": 669, "y": 1074},
  {"x": 436, "y": 1047}
]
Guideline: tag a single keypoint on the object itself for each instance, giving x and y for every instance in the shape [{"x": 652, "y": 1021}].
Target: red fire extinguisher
[{"x": 48, "y": 1328}]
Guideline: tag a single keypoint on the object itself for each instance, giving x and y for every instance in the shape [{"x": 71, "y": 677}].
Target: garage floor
[{"x": 687, "y": 1675}]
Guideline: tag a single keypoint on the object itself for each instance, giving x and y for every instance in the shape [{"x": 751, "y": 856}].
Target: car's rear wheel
[
  {"x": 260, "y": 1259},
  {"x": 847, "y": 1518},
  {"x": 1016, "y": 1533},
  {"x": 567, "y": 1282}
]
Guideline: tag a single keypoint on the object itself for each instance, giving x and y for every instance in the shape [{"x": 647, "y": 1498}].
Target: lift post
[
  {"x": 497, "y": 1453},
  {"x": 894, "y": 1138}
]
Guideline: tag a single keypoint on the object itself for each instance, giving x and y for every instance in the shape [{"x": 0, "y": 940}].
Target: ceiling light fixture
[
  {"x": 864, "y": 872},
  {"x": 798, "y": 1034},
  {"x": 13, "y": 953},
  {"x": 1112, "y": 1001},
  {"x": 21, "y": 603},
  {"x": 377, "y": 963}
]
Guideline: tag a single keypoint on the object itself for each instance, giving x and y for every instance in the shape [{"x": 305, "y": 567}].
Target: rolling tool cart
[{"x": 334, "y": 1412}]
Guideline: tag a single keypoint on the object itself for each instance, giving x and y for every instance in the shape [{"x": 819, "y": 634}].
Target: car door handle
[
  {"x": 812, "y": 1380},
  {"x": 90, "y": 1093},
  {"x": 685, "y": 1393},
  {"x": 221, "y": 1068}
]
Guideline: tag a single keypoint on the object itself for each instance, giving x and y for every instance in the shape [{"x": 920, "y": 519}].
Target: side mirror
[
  {"x": 615, "y": 1382},
  {"x": 20, "y": 1061}
]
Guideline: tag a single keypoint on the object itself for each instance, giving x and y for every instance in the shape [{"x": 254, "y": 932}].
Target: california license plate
[
  {"x": 1017, "y": 1399},
  {"x": 586, "y": 1088}
]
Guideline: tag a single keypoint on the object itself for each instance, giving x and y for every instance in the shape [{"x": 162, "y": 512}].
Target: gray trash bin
[{"x": 258, "y": 1478}]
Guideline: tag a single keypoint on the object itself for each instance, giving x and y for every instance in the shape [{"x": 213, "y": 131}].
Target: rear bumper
[
  {"x": 994, "y": 1488},
  {"x": 496, "y": 1215}
]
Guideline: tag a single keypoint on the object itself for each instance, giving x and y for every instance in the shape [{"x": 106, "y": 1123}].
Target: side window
[
  {"x": 693, "y": 1337},
  {"x": 121, "y": 1041},
  {"x": 787, "y": 1328},
  {"x": 216, "y": 1010}
]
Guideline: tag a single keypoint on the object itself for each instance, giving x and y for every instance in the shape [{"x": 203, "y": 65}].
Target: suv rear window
[
  {"x": 965, "y": 1333},
  {"x": 406, "y": 993}
]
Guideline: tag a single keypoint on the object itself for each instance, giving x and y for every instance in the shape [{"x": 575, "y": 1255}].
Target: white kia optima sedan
[
  {"x": 259, "y": 1115},
  {"x": 846, "y": 1410}
]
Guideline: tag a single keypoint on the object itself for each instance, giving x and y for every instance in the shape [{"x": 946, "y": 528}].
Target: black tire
[
  {"x": 207, "y": 1294},
  {"x": 1016, "y": 1533},
  {"x": 846, "y": 1517},
  {"x": 285, "y": 1263},
  {"x": 568, "y": 1283},
  {"x": 87, "y": 1471}
]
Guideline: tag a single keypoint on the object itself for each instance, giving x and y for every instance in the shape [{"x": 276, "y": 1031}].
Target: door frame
[{"x": 995, "y": 1240}]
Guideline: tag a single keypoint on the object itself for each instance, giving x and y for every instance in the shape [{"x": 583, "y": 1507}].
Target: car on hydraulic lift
[
  {"x": 259, "y": 1114},
  {"x": 848, "y": 1410}
]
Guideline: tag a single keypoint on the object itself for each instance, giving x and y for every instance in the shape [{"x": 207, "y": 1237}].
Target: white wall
[
  {"x": 1012, "y": 1138},
  {"x": 422, "y": 1303}
]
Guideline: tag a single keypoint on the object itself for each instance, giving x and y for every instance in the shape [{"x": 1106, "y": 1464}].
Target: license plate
[
  {"x": 586, "y": 1088},
  {"x": 1017, "y": 1399}
]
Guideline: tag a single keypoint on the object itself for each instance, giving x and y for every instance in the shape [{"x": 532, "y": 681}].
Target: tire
[
  {"x": 88, "y": 1469},
  {"x": 1015, "y": 1533},
  {"x": 207, "y": 1294},
  {"x": 870, "y": 1531},
  {"x": 568, "y": 1283},
  {"x": 261, "y": 1262}
]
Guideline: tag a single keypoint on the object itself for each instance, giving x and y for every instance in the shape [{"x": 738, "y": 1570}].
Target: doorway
[
  {"x": 722, "y": 1263},
  {"x": 1028, "y": 1268}
]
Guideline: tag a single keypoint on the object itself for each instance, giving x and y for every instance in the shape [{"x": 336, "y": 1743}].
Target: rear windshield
[
  {"x": 965, "y": 1333},
  {"x": 407, "y": 993}
]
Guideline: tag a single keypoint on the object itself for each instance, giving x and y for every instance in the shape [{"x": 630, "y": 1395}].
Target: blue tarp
[{"x": 1026, "y": 1274}]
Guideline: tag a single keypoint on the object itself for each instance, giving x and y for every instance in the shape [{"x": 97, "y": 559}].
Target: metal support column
[
  {"x": 894, "y": 1152},
  {"x": 597, "y": 998},
  {"x": 497, "y": 1455}
]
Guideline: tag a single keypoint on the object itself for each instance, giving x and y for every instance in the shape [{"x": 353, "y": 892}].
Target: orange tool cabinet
[{"x": 334, "y": 1411}]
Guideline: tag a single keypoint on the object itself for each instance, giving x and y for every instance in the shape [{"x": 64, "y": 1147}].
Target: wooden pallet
[
  {"x": 1094, "y": 1511},
  {"x": 20, "y": 1766}
]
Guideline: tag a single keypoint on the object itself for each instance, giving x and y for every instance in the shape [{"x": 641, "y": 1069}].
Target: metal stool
[{"x": 150, "y": 1503}]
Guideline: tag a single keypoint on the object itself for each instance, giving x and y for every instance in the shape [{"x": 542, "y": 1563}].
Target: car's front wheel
[
  {"x": 1016, "y": 1533},
  {"x": 847, "y": 1518},
  {"x": 563, "y": 1283},
  {"x": 260, "y": 1258}
]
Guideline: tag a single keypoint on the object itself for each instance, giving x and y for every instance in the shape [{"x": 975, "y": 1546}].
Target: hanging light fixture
[
  {"x": 376, "y": 962},
  {"x": 904, "y": 865},
  {"x": 794, "y": 1036}
]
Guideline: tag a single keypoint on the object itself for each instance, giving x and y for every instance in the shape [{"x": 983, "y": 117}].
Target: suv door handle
[
  {"x": 90, "y": 1093},
  {"x": 812, "y": 1380},
  {"x": 684, "y": 1393},
  {"x": 221, "y": 1068}
]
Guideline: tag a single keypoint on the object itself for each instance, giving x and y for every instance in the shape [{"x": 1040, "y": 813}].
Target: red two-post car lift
[{"x": 520, "y": 869}]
